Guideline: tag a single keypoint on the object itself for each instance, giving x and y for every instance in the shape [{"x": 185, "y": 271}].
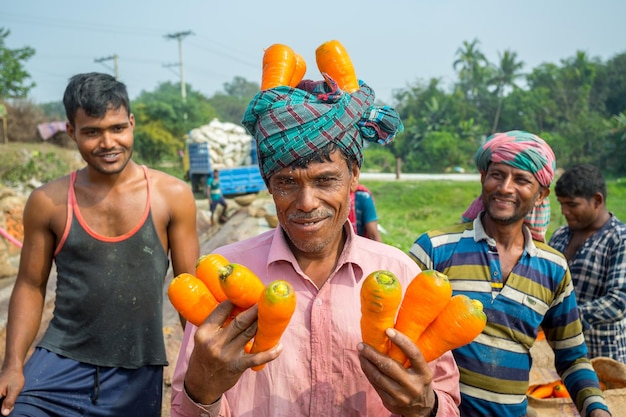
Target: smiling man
[
  {"x": 110, "y": 228},
  {"x": 522, "y": 282},
  {"x": 310, "y": 142}
]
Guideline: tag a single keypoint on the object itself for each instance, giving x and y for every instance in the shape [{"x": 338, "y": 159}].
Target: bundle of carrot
[
  {"x": 217, "y": 280},
  {"x": 428, "y": 313}
]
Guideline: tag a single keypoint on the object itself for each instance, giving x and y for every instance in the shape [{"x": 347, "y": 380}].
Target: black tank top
[{"x": 109, "y": 296}]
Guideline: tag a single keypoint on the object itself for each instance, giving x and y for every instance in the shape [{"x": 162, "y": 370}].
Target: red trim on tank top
[{"x": 72, "y": 209}]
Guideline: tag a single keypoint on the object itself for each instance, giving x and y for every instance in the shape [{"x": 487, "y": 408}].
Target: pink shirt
[{"x": 318, "y": 373}]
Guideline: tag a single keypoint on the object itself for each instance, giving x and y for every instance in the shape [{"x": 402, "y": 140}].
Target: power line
[{"x": 109, "y": 58}]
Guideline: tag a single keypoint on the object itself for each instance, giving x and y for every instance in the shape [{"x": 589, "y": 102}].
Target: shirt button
[{"x": 318, "y": 302}]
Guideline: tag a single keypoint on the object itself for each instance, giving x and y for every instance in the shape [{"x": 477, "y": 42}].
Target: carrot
[
  {"x": 560, "y": 391},
  {"x": 460, "y": 321},
  {"x": 276, "y": 306},
  {"x": 242, "y": 287},
  {"x": 333, "y": 60},
  {"x": 542, "y": 390},
  {"x": 279, "y": 63},
  {"x": 425, "y": 296},
  {"x": 207, "y": 269},
  {"x": 381, "y": 294},
  {"x": 299, "y": 71},
  {"x": 191, "y": 298}
]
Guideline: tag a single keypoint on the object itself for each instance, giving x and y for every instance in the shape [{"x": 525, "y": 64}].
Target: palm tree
[
  {"x": 508, "y": 72},
  {"x": 472, "y": 63}
]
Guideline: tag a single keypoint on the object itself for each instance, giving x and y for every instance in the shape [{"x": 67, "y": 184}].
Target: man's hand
[
  {"x": 406, "y": 392},
  {"x": 218, "y": 359},
  {"x": 11, "y": 383}
]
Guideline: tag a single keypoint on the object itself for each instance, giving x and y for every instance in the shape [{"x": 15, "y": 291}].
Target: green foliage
[
  {"x": 378, "y": 159},
  {"x": 13, "y": 76},
  {"x": 42, "y": 162},
  {"x": 166, "y": 105},
  {"x": 154, "y": 143}
]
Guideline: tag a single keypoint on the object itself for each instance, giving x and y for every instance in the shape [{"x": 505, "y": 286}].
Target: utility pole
[
  {"x": 109, "y": 58},
  {"x": 179, "y": 36}
]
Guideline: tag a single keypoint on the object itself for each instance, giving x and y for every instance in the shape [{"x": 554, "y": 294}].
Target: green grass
[{"x": 406, "y": 209}]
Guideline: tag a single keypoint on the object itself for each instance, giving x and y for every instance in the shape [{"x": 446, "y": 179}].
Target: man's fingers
[{"x": 412, "y": 352}]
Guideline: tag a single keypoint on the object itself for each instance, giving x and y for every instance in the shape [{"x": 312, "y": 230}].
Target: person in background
[
  {"x": 523, "y": 283},
  {"x": 109, "y": 228},
  {"x": 594, "y": 243},
  {"x": 310, "y": 164},
  {"x": 215, "y": 197},
  {"x": 363, "y": 215}
]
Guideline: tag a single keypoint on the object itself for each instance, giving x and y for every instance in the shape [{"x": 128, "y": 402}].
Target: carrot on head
[
  {"x": 276, "y": 306},
  {"x": 460, "y": 321},
  {"x": 207, "y": 271},
  {"x": 299, "y": 71},
  {"x": 242, "y": 287},
  {"x": 425, "y": 296},
  {"x": 191, "y": 298},
  {"x": 333, "y": 60},
  {"x": 279, "y": 63},
  {"x": 381, "y": 294}
]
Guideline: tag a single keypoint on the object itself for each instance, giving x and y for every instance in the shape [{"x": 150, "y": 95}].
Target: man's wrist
[{"x": 433, "y": 412}]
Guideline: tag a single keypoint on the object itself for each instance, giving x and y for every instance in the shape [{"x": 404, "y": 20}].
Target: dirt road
[{"x": 241, "y": 224}]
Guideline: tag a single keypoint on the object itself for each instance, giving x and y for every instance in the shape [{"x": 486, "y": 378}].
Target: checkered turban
[{"x": 292, "y": 123}]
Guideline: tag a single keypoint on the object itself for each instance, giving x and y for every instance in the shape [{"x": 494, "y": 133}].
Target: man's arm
[
  {"x": 182, "y": 233},
  {"x": 610, "y": 307},
  {"x": 27, "y": 299}
]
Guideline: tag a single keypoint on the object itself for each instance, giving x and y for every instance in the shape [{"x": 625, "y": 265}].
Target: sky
[{"x": 393, "y": 44}]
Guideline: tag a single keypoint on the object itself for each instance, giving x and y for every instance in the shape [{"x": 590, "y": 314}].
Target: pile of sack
[{"x": 229, "y": 144}]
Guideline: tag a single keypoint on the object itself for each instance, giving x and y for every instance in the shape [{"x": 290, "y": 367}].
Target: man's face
[
  {"x": 509, "y": 194},
  {"x": 312, "y": 204},
  {"x": 106, "y": 143},
  {"x": 579, "y": 212}
]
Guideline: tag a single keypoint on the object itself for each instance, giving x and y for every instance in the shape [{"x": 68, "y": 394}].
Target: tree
[
  {"x": 473, "y": 68},
  {"x": 508, "y": 72},
  {"x": 177, "y": 116},
  {"x": 231, "y": 106},
  {"x": 13, "y": 76}
]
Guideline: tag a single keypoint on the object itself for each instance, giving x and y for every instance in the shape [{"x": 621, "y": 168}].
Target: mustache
[{"x": 317, "y": 214}]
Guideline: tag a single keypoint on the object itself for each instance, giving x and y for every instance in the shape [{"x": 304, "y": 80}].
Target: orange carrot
[
  {"x": 381, "y": 294},
  {"x": 333, "y": 60},
  {"x": 542, "y": 390},
  {"x": 461, "y": 320},
  {"x": 276, "y": 306},
  {"x": 560, "y": 391},
  {"x": 242, "y": 287},
  {"x": 425, "y": 296},
  {"x": 207, "y": 269},
  {"x": 191, "y": 298},
  {"x": 299, "y": 71},
  {"x": 279, "y": 63}
]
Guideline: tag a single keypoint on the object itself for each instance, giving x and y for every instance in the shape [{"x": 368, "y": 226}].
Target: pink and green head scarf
[{"x": 525, "y": 151}]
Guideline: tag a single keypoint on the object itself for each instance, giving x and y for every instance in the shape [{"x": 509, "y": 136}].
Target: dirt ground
[{"x": 243, "y": 222}]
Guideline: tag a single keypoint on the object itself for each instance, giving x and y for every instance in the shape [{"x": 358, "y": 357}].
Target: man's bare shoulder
[
  {"x": 54, "y": 191},
  {"x": 168, "y": 183}
]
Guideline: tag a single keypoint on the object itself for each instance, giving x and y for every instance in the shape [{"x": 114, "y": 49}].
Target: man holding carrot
[
  {"x": 309, "y": 143},
  {"x": 499, "y": 257}
]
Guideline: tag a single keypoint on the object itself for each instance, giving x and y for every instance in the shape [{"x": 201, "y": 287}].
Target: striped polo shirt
[{"x": 495, "y": 367}]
